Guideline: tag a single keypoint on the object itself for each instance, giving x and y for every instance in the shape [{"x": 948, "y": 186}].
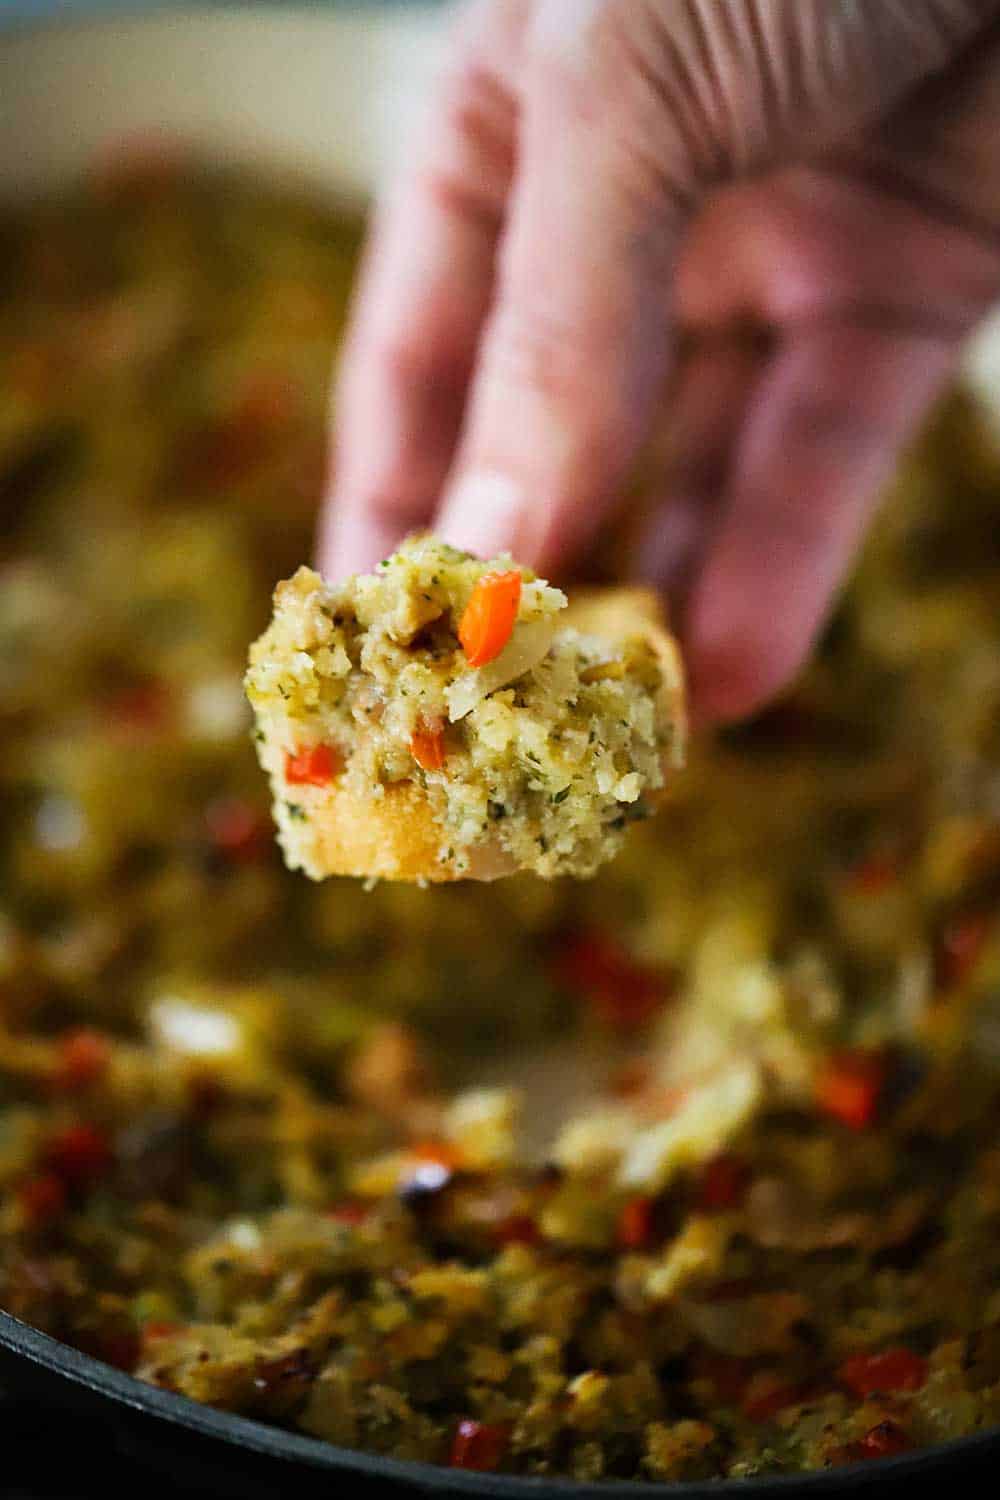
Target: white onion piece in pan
[{"x": 528, "y": 645}]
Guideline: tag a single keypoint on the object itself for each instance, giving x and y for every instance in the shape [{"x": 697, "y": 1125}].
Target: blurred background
[
  {"x": 325, "y": 90},
  {"x": 166, "y": 334}
]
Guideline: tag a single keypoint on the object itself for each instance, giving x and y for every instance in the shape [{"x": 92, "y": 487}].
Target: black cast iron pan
[{"x": 195, "y": 1449}]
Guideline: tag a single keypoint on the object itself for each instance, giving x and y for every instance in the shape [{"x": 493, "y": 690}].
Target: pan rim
[{"x": 284, "y": 1445}]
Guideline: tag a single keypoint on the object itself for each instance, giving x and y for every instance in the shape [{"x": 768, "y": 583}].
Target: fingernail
[{"x": 486, "y": 513}]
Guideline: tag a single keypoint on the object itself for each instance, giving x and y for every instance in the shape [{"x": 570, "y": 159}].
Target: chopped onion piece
[{"x": 526, "y": 648}]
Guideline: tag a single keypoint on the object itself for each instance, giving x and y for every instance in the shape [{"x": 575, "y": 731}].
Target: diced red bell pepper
[
  {"x": 623, "y": 992},
  {"x": 488, "y": 619},
  {"x": 631, "y": 1079},
  {"x": 237, "y": 830},
  {"x": 120, "y": 1347},
  {"x": 42, "y": 1199},
  {"x": 478, "y": 1445},
  {"x": 959, "y": 948},
  {"x": 890, "y": 1372},
  {"x": 727, "y": 1375},
  {"x": 349, "y": 1212},
  {"x": 722, "y": 1185},
  {"x": 878, "y": 873},
  {"x": 159, "y": 1328},
  {"x": 427, "y": 747},
  {"x": 141, "y": 711},
  {"x": 270, "y": 401},
  {"x": 79, "y": 1155},
  {"x": 884, "y": 1440},
  {"x": 849, "y": 1086},
  {"x": 236, "y": 444},
  {"x": 635, "y": 1229},
  {"x": 84, "y": 1056},
  {"x": 316, "y": 766},
  {"x": 766, "y": 1395},
  {"x": 519, "y": 1229}
]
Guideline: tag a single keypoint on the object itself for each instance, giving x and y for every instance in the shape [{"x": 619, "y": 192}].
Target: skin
[{"x": 783, "y": 213}]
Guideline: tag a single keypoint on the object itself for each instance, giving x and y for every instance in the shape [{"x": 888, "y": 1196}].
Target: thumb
[{"x": 631, "y": 110}]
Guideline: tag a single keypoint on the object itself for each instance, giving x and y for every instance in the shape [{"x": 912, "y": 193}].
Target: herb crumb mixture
[
  {"x": 466, "y": 683},
  {"x": 256, "y": 1144}
]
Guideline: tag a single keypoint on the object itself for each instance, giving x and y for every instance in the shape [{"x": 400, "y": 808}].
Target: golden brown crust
[
  {"x": 395, "y": 837},
  {"x": 391, "y": 837}
]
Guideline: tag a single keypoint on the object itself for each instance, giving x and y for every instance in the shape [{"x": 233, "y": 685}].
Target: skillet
[
  {"x": 200, "y": 1449},
  {"x": 215, "y": 1451}
]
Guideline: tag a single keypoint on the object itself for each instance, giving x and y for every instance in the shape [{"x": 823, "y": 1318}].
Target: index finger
[{"x": 424, "y": 294}]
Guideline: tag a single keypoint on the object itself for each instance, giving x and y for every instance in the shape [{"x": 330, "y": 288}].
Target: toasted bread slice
[
  {"x": 612, "y": 647},
  {"x": 615, "y": 614}
]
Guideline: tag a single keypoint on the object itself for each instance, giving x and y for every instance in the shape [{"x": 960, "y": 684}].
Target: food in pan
[
  {"x": 444, "y": 717},
  {"x": 255, "y": 1143}
]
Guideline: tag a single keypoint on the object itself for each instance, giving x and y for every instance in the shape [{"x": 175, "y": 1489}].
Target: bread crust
[
  {"x": 616, "y": 614},
  {"x": 391, "y": 837},
  {"x": 394, "y": 836}
]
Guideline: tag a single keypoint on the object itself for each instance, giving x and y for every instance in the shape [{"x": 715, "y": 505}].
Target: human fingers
[
  {"x": 575, "y": 350},
  {"x": 822, "y": 437},
  {"x": 706, "y": 408},
  {"x": 629, "y": 114},
  {"x": 424, "y": 295}
]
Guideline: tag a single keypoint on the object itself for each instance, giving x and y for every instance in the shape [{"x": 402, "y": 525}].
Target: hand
[{"x": 601, "y": 176}]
